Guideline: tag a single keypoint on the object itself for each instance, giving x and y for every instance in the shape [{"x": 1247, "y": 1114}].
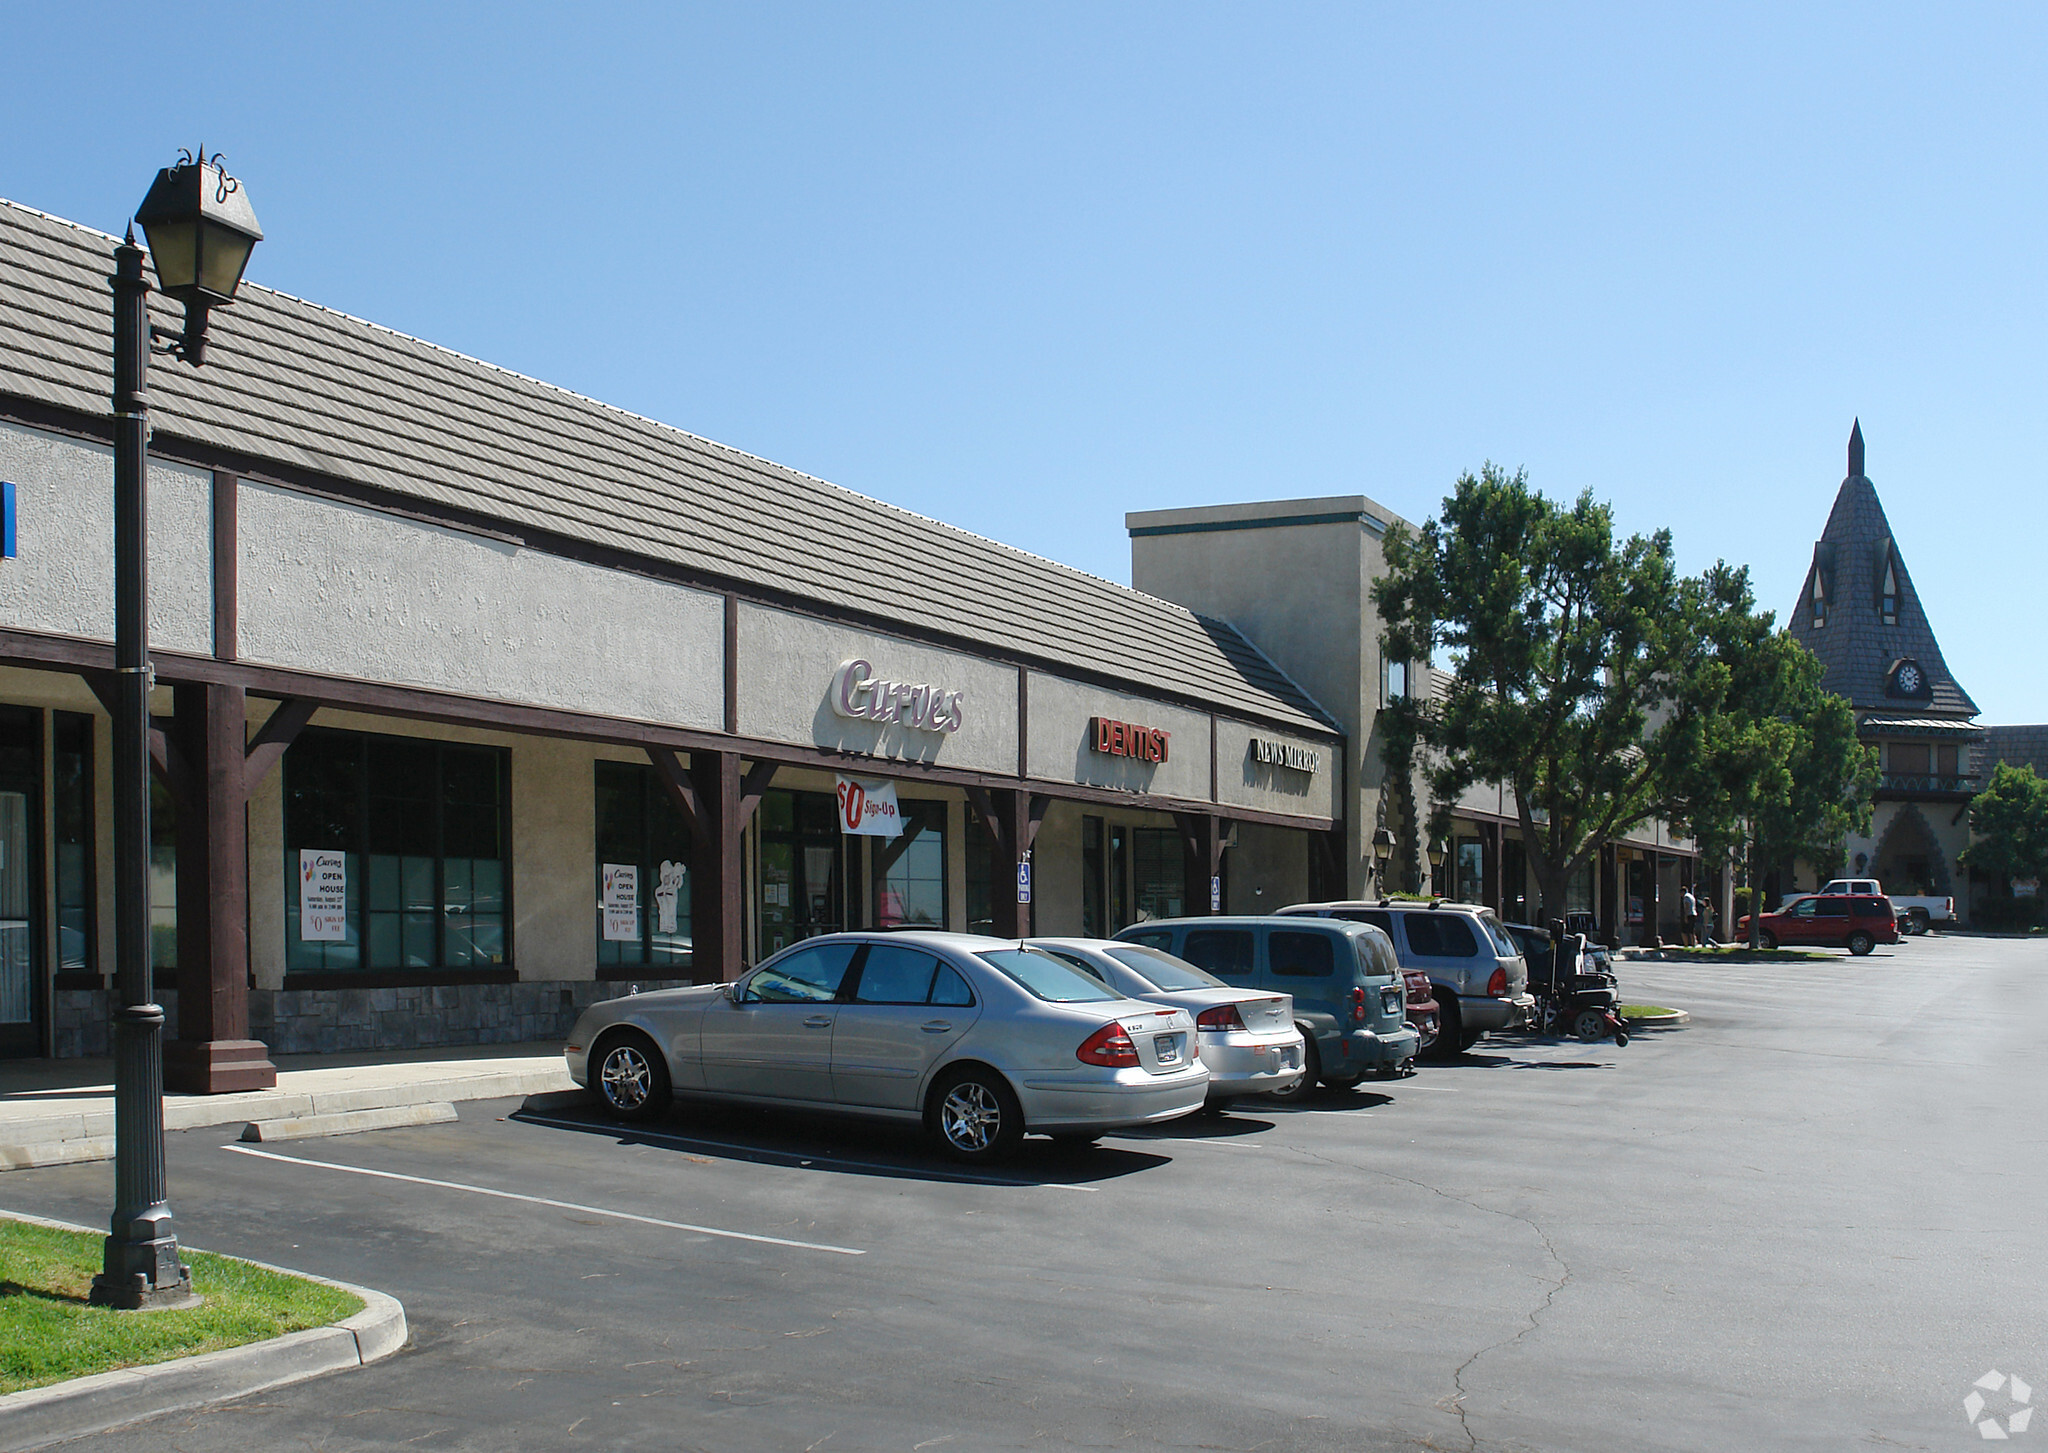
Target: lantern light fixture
[{"x": 201, "y": 230}]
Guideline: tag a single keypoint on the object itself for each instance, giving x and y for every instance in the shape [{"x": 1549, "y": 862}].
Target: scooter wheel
[{"x": 1589, "y": 1025}]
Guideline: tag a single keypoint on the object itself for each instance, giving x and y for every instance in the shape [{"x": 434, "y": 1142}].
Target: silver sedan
[
  {"x": 1248, "y": 1038},
  {"x": 978, "y": 1039}
]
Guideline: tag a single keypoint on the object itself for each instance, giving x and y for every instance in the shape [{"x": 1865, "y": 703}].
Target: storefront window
[
  {"x": 71, "y": 780},
  {"x": 638, "y": 827},
  {"x": 910, "y": 871},
  {"x": 421, "y": 826},
  {"x": 1162, "y": 884},
  {"x": 1471, "y": 885}
]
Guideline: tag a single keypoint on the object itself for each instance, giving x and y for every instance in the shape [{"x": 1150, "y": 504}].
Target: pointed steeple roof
[{"x": 1857, "y": 569}]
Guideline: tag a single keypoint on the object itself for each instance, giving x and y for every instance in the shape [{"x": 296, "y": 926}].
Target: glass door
[
  {"x": 21, "y": 733},
  {"x": 800, "y": 888}
]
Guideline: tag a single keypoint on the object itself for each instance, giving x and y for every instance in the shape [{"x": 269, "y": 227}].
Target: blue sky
[{"x": 1026, "y": 268}]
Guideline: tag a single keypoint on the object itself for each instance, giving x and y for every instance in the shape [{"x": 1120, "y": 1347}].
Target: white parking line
[
  {"x": 389, "y": 1175},
  {"x": 802, "y": 1160}
]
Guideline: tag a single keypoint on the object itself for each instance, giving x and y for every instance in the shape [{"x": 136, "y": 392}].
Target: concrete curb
[
  {"x": 1676, "y": 1019},
  {"x": 45, "y": 1415},
  {"x": 348, "y": 1122},
  {"x": 68, "y": 1139}
]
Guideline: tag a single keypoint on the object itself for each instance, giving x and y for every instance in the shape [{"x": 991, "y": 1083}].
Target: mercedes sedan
[
  {"x": 978, "y": 1039},
  {"x": 1249, "y": 1042}
]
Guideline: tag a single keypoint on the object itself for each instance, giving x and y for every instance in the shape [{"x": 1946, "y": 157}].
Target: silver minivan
[{"x": 1477, "y": 971}]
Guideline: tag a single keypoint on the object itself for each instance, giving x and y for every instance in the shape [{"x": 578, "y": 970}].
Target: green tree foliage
[
  {"x": 2009, "y": 824},
  {"x": 1602, "y": 687}
]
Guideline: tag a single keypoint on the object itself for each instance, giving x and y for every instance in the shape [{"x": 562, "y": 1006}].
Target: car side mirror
[{"x": 732, "y": 992}]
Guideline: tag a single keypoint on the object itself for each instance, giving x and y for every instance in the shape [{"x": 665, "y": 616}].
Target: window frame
[{"x": 361, "y": 802}]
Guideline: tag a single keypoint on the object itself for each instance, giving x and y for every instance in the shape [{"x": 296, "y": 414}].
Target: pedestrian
[
  {"x": 1706, "y": 918},
  {"x": 1690, "y": 907}
]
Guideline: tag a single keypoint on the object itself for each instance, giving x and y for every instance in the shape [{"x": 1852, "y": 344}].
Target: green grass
[
  {"x": 48, "y": 1334},
  {"x": 1643, "y": 1011}
]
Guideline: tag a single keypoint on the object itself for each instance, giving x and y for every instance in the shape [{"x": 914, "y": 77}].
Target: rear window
[
  {"x": 1158, "y": 938},
  {"x": 1224, "y": 951},
  {"x": 1504, "y": 943},
  {"x": 1375, "y": 956},
  {"x": 1873, "y": 908},
  {"x": 1163, "y": 970},
  {"x": 1044, "y": 977},
  {"x": 1301, "y": 955},
  {"x": 1440, "y": 936}
]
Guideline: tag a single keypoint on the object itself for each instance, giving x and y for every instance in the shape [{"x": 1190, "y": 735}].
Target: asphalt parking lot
[{"x": 1810, "y": 1219}]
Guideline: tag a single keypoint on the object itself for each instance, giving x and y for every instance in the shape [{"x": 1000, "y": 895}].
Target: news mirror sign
[
  {"x": 869, "y": 809},
  {"x": 1272, "y": 752},
  {"x": 859, "y": 695}
]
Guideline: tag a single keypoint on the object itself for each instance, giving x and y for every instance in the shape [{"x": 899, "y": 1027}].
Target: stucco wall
[
  {"x": 62, "y": 579},
  {"x": 1267, "y": 869},
  {"x": 1244, "y": 781},
  {"x": 352, "y": 592},
  {"x": 1061, "y": 750},
  {"x": 786, "y": 666}
]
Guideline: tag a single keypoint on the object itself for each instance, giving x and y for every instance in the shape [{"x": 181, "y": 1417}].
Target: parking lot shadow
[{"x": 834, "y": 1145}]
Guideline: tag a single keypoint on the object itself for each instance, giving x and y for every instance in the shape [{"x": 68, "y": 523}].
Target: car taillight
[
  {"x": 1109, "y": 1046},
  {"x": 1223, "y": 1016},
  {"x": 1497, "y": 986},
  {"x": 1358, "y": 1006}
]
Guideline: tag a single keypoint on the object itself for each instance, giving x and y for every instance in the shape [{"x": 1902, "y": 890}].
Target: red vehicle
[
  {"x": 1857, "y": 922},
  {"x": 1422, "y": 1007}
]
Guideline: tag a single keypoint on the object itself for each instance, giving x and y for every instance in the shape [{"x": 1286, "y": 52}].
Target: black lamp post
[
  {"x": 1436, "y": 865},
  {"x": 1382, "y": 852},
  {"x": 201, "y": 230}
]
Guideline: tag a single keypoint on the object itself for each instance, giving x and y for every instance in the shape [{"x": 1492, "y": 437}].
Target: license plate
[{"x": 1166, "y": 1048}]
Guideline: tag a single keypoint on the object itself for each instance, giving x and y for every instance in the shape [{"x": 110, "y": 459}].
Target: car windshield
[
  {"x": 1163, "y": 970},
  {"x": 1045, "y": 977}
]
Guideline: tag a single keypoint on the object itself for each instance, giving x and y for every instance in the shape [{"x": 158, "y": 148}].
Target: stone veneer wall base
[{"x": 331, "y": 1021}]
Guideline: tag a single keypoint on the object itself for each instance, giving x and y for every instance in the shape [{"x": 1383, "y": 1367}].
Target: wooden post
[{"x": 213, "y": 1053}]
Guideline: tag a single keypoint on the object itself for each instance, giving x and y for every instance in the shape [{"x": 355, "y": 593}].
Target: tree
[
  {"x": 2009, "y": 826},
  {"x": 1602, "y": 687}
]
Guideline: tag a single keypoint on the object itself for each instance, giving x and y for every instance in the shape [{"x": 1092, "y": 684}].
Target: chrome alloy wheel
[
  {"x": 970, "y": 1117},
  {"x": 626, "y": 1077}
]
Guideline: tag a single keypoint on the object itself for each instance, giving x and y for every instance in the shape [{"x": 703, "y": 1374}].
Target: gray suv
[
  {"x": 1350, "y": 1001},
  {"x": 1480, "y": 979}
]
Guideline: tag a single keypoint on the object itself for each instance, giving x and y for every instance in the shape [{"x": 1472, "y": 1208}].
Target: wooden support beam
[
  {"x": 754, "y": 788},
  {"x": 267, "y": 748},
  {"x": 212, "y": 1053},
  {"x": 717, "y": 910},
  {"x": 675, "y": 779}
]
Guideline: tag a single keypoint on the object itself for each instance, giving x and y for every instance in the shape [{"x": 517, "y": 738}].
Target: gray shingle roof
[
  {"x": 2022, "y": 746},
  {"x": 301, "y": 385},
  {"x": 1855, "y": 645}
]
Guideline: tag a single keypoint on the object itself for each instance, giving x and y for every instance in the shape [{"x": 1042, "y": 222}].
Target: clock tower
[{"x": 1858, "y": 612}]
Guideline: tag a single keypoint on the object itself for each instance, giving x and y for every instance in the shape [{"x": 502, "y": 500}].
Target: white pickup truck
[{"x": 1914, "y": 914}]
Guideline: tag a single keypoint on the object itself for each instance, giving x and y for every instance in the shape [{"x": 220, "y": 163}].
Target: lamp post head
[
  {"x": 1436, "y": 854},
  {"x": 201, "y": 230},
  {"x": 1382, "y": 844}
]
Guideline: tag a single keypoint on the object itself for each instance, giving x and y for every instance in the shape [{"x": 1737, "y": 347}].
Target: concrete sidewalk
[{"x": 58, "y": 1112}]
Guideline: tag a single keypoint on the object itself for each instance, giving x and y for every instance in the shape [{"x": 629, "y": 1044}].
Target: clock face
[{"x": 1910, "y": 680}]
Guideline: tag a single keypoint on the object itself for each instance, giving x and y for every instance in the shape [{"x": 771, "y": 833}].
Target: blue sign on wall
[{"x": 6, "y": 521}]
